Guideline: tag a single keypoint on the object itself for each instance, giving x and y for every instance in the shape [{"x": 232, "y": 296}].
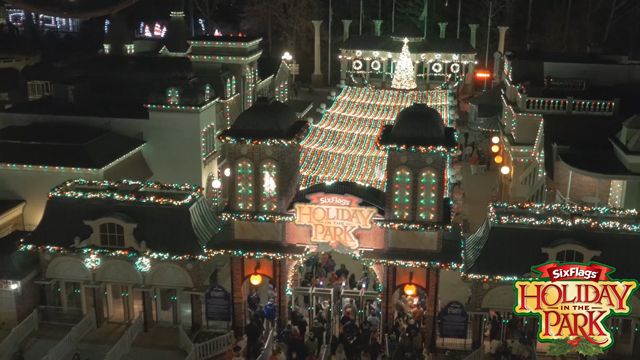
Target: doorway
[
  {"x": 167, "y": 307},
  {"x": 122, "y": 304}
]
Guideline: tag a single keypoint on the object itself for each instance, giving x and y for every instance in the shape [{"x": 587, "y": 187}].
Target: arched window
[
  {"x": 111, "y": 235},
  {"x": 245, "y": 185},
  {"x": 269, "y": 186},
  {"x": 402, "y": 193},
  {"x": 228, "y": 94},
  {"x": 173, "y": 96},
  {"x": 427, "y": 195},
  {"x": 566, "y": 256}
]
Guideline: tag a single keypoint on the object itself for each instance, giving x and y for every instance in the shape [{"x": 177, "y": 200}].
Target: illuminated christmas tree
[
  {"x": 157, "y": 30},
  {"x": 404, "y": 77},
  {"x": 147, "y": 32}
]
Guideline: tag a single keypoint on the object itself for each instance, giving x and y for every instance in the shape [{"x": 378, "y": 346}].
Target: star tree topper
[{"x": 404, "y": 76}]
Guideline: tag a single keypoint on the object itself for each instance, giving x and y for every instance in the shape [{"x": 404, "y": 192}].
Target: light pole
[
  {"x": 293, "y": 66},
  {"x": 486, "y": 59}
]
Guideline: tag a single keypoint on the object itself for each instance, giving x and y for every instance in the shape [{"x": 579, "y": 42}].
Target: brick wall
[
  {"x": 581, "y": 185},
  {"x": 432, "y": 305},
  {"x": 388, "y": 301},
  {"x": 239, "y": 304},
  {"x": 27, "y": 299}
]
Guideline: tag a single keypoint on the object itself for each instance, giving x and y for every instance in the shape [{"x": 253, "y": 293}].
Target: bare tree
[
  {"x": 615, "y": 6},
  {"x": 208, "y": 10}
]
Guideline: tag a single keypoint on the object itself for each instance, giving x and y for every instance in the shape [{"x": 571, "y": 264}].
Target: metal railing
[
  {"x": 70, "y": 342},
  {"x": 10, "y": 344},
  {"x": 476, "y": 355},
  {"x": 213, "y": 347},
  {"x": 565, "y": 105},
  {"x": 59, "y": 315},
  {"x": 268, "y": 346},
  {"x": 123, "y": 346}
]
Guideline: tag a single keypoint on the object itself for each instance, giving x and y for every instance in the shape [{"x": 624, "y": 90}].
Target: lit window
[
  {"x": 269, "y": 194},
  {"x": 111, "y": 235},
  {"x": 245, "y": 185},
  {"x": 208, "y": 141},
  {"x": 570, "y": 256},
  {"x": 402, "y": 194},
  {"x": 428, "y": 195}
]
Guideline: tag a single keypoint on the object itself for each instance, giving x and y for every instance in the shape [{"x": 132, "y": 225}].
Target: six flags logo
[{"x": 572, "y": 302}]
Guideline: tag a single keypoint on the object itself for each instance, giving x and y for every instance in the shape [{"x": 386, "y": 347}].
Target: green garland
[{"x": 275, "y": 218}]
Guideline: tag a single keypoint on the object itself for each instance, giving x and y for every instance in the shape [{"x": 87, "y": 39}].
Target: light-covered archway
[
  {"x": 68, "y": 268},
  {"x": 500, "y": 298},
  {"x": 169, "y": 276},
  {"x": 119, "y": 271}
]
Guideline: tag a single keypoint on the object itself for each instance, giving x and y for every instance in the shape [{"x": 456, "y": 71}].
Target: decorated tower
[{"x": 404, "y": 77}]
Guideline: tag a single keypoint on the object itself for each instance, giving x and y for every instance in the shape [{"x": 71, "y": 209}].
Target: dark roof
[
  {"x": 370, "y": 196},
  {"x": 227, "y": 38},
  {"x": 488, "y": 111},
  {"x": 10, "y": 80},
  {"x": 407, "y": 29},
  {"x": 6, "y": 205},
  {"x": 603, "y": 162},
  {"x": 386, "y": 43},
  {"x": 101, "y": 66},
  {"x": 175, "y": 229},
  {"x": 268, "y": 66},
  {"x": 266, "y": 119},
  {"x": 512, "y": 251},
  {"x": 491, "y": 97},
  {"x": 102, "y": 109},
  {"x": 418, "y": 123},
  {"x": 581, "y": 58},
  {"x": 299, "y": 106},
  {"x": 15, "y": 265},
  {"x": 62, "y": 145},
  {"x": 118, "y": 36}
]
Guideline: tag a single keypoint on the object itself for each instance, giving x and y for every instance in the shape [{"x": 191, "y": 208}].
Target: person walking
[
  {"x": 482, "y": 164},
  {"x": 468, "y": 150},
  {"x": 474, "y": 164}
]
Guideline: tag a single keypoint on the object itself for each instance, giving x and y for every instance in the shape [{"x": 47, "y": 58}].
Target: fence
[
  {"x": 476, "y": 355},
  {"x": 187, "y": 345},
  {"x": 213, "y": 347},
  {"x": 70, "y": 342},
  {"x": 58, "y": 315},
  {"x": 17, "y": 334},
  {"x": 123, "y": 346}
]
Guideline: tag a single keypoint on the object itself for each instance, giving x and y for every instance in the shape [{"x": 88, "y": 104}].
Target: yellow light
[
  {"x": 410, "y": 289},
  {"x": 505, "y": 170},
  {"x": 498, "y": 159},
  {"x": 495, "y": 139},
  {"x": 255, "y": 279},
  {"x": 495, "y": 148}
]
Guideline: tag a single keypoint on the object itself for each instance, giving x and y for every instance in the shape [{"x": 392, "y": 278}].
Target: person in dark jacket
[
  {"x": 342, "y": 272},
  {"x": 302, "y": 326},
  {"x": 374, "y": 348},
  {"x": 253, "y": 300},
  {"x": 318, "y": 332},
  {"x": 270, "y": 312},
  {"x": 352, "y": 282}
]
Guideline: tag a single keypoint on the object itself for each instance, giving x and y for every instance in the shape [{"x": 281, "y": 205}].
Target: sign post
[
  {"x": 454, "y": 321},
  {"x": 218, "y": 302}
]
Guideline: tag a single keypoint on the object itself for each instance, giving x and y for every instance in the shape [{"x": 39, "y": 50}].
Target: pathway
[
  {"x": 158, "y": 344},
  {"x": 97, "y": 343},
  {"x": 38, "y": 343}
]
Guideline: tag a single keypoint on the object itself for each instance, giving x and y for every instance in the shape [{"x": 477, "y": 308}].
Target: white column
[
  {"x": 503, "y": 33},
  {"x": 384, "y": 70},
  {"x": 83, "y": 300},
  {"x": 345, "y": 32},
  {"x": 343, "y": 67},
  {"x": 63, "y": 295},
  {"x": 474, "y": 29},
  {"x": 158, "y": 305},
  {"x": 569, "y": 185},
  {"x": 316, "y": 57},
  {"x": 367, "y": 69},
  {"x": 443, "y": 29},
  {"x": 378, "y": 25},
  {"x": 109, "y": 300}
]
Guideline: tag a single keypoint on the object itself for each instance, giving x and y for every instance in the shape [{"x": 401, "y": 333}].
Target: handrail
[
  {"x": 268, "y": 346},
  {"x": 70, "y": 342},
  {"x": 123, "y": 346},
  {"x": 10, "y": 344},
  {"x": 213, "y": 347},
  {"x": 476, "y": 355}
]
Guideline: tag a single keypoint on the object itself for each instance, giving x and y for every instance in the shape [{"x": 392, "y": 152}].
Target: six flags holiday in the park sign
[{"x": 572, "y": 302}]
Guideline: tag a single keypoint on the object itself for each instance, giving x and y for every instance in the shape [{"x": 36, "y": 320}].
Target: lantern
[
  {"x": 495, "y": 139},
  {"x": 255, "y": 279},
  {"x": 495, "y": 148},
  {"x": 505, "y": 170},
  {"x": 410, "y": 289},
  {"x": 498, "y": 159}
]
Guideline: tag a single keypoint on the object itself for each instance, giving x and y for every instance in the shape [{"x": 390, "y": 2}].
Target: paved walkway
[
  {"x": 97, "y": 343},
  {"x": 38, "y": 343}
]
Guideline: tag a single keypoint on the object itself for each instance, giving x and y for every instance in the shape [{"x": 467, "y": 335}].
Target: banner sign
[
  {"x": 218, "y": 304},
  {"x": 334, "y": 220},
  {"x": 572, "y": 302},
  {"x": 454, "y": 321}
]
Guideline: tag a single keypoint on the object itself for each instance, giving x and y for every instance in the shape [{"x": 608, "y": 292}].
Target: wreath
[
  {"x": 357, "y": 65},
  {"x": 455, "y": 68},
  {"x": 375, "y": 65},
  {"x": 437, "y": 67}
]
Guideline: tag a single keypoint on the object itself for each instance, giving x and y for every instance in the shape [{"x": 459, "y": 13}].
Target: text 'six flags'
[{"x": 594, "y": 272}]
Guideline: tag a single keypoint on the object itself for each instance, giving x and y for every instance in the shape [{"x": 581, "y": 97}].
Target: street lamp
[
  {"x": 295, "y": 68},
  {"x": 287, "y": 56}
]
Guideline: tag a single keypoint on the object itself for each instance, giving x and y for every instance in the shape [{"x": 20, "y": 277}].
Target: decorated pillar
[
  {"x": 237, "y": 294},
  {"x": 367, "y": 68},
  {"x": 503, "y": 34},
  {"x": 384, "y": 70},
  {"x": 388, "y": 301},
  {"x": 474, "y": 29},
  {"x": 443, "y": 29},
  {"x": 378, "y": 26},
  {"x": 346, "y": 24},
  {"x": 343, "y": 68},
  {"x": 97, "y": 299},
  {"x": 284, "y": 267},
  {"x": 431, "y": 314},
  {"x": 316, "y": 78}
]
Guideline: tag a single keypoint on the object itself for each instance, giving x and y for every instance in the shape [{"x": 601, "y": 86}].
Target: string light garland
[
  {"x": 428, "y": 185},
  {"x": 269, "y": 187},
  {"x": 143, "y": 264},
  {"x": 343, "y": 146},
  {"x": 268, "y": 142},
  {"x": 244, "y": 184},
  {"x": 105, "y": 189},
  {"x": 404, "y": 77},
  {"x": 571, "y": 208},
  {"x": 402, "y": 193},
  {"x": 92, "y": 261},
  {"x": 442, "y": 150},
  {"x": 275, "y": 218},
  {"x": 395, "y": 225}
]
